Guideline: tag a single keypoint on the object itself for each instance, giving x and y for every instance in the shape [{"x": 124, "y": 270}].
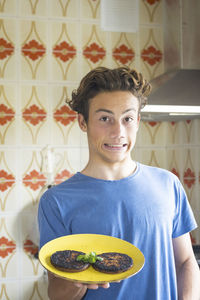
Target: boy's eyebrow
[
  {"x": 104, "y": 110},
  {"x": 111, "y": 112}
]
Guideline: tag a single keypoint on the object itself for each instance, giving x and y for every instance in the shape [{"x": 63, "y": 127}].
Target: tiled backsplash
[{"x": 46, "y": 46}]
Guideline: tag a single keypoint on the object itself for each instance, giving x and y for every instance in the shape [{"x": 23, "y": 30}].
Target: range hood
[{"x": 176, "y": 93}]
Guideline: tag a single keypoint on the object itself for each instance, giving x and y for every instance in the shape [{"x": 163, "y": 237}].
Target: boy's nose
[{"x": 117, "y": 130}]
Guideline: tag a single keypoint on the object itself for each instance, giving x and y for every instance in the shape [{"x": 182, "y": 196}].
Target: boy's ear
[
  {"x": 138, "y": 120},
  {"x": 82, "y": 123}
]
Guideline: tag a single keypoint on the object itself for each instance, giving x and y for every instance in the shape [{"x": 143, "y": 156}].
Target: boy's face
[{"x": 112, "y": 126}]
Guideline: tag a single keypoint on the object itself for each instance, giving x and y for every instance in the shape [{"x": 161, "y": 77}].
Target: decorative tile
[
  {"x": 10, "y": 290},
  {"x": 8, "y": 7},
  {"x": 74, "y": 136},
  {"x": 135, "y": 154},
  {"x": 8, "y": 132},
  {"x": 34, "y": 134},
  {"x": 29, "y": 234},
  {"x": 148, "y": 132},
  {"x": 8, "y": 33},
  {"x": 29, "y": 197},
  {"x": 65, "y": 123},
  {"x": 59, "y": 133},
  {"x": 124, "y": 48},
  {"x": 59, "y": 95},
  {"x": 35, "y": 110},
  {"x": 184, "y": 131},
  {"x": 155, "y": 158},
  {"x": 73, "y": 159},
  {"x": 64, "y": 51},
  {"x": 64, "y": 115},
  {"x": 63, "y": 118},
  {"x": 94, "y": 47},
  {"x": 33, "y": 8},
  {"x": 35, "y": 95},
  {"x": 171, "y": 132},
  {"x": 94, "y": 53},
  {"x": 62, "y": 176},
  {"x": 34, "y": 114},
  {"x": 33, "y": 50},
  {"x": 151, "y": 11},
  {"x": 30, "y": 265},
  {"x": 151, "y": 52},
  {"x": 192, "y": 130},
  {"x": 7, "y": 46},
  {"x": 34, "y": 290},
  {"x": 8, "y": 248},
  {"x": 8, "y": 125},
  {"x": 8, "y": 161},
  {"x": 189, "y": 167},
  {"x": 84, "y": 156},
  {"x": 8, "y": 181},
  {"x": 173, "y": 162},
  {"x": 33, "y": 177},
  {"x": 65, "y": 165},
  {"x": 174, "y": 132},
  {"x": 90, "y": 9},
  {"x": 10, "y": 264},
  {"x": 34, "y": 180},
  {"x": 64, "y": 8},
  {"x": 83, "y": 139},
  {"x": 9, "y": 201}
]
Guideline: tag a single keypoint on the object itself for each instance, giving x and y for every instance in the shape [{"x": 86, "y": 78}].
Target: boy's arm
[{"x": 188, "y": 275}]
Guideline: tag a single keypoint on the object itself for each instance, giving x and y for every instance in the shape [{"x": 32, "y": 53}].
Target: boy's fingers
[
  {"x": 105, "y": 285},
  {"x": 93, "y": 286}
]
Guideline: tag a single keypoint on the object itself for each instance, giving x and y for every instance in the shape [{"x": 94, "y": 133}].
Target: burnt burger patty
[
  {"x": 66, "y": 260},
  {"x": 113, "y": 262}
]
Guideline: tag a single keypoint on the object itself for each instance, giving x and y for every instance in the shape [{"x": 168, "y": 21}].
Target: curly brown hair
[{"x": 103, "y": 79}]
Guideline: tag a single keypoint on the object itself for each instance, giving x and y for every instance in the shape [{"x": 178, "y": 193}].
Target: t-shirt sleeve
[
  {"x": 50, "y": 220},
  {"x": 184, "y": 220}
]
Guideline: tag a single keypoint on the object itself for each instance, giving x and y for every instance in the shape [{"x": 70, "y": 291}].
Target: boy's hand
[{"x": 93, "y": 286}]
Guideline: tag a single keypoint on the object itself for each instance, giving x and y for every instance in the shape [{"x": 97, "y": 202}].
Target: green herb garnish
[{"x": 89, "y": 257}]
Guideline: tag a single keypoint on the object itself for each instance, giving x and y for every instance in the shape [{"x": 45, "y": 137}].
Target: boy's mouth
[{"x": 115, "y": 146}]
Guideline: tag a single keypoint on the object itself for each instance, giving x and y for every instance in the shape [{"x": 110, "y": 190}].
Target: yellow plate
[{"x": 87, "y": 243}]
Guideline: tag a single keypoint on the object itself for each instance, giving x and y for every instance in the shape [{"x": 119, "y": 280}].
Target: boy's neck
[{"x": 110, "y": 172}]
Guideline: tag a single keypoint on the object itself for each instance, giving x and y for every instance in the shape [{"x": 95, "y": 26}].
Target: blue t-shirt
[{"x": 147, "y": 209}]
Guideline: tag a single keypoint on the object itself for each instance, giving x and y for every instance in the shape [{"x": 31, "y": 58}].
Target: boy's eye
[
  {"x": 128, "y": 119},
  {"x": 104, "y": 119}
]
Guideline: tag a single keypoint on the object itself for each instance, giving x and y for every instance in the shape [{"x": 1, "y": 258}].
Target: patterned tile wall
[{"x": 46, "y": 46}]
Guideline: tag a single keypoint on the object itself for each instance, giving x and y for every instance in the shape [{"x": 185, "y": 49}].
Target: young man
[{"x": 116, "y": 196}]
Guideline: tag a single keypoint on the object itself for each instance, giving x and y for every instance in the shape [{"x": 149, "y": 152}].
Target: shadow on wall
[
  {"x": 27, "y": 240},
  {"x": 27, "y": 221}
]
